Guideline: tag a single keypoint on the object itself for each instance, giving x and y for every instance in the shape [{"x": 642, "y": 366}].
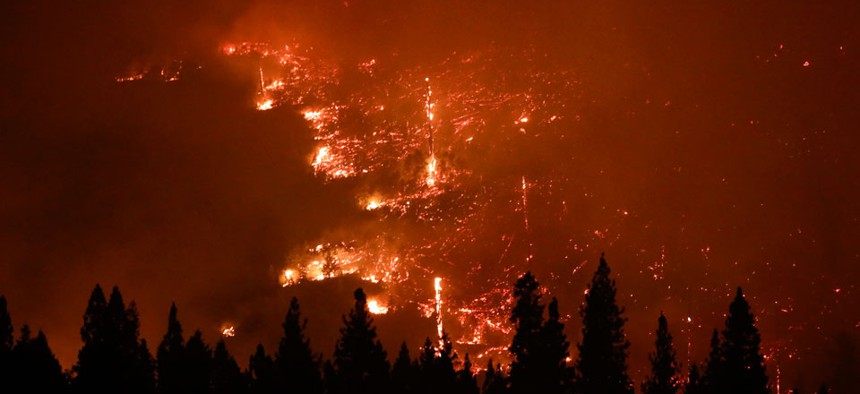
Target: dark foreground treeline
[{"x": 114, "y": 359}]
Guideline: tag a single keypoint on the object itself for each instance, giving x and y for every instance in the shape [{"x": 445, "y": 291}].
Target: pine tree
[
  {"x": 743, "y": 364},
  {"x": 170, "y": 355},
  {"x": 113, "y": 358},
  {"x": 602, "y": 364},
  {"x": 553, "y": 359},
  {"x": 466, "y": 382},
  {"x": 198, "y": 367},
  {"x": 694, "y": 381},
  {"x": 262, "y": 373},
  {"x": 527, "y": 317},
  {"x": 436, "y": 367},
  {"x": 298, "y": 367},
  {"x": 360, "y": 363},
  {"x": 404, "y": 372},
  {"x": 34, "y": 368},
  {"x": 714, "y": 367},
  {"x": 226, "y": 377},
  {"x": 6, "y": 343},
  {"x": 664, "y": 367},
  {"x": 495, "y": 381}
]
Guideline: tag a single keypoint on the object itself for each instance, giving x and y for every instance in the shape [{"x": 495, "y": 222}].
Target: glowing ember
[{"x": 431, "y": 171}]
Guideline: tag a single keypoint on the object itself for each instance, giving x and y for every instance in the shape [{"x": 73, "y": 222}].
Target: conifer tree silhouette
[
  {"x": 694, "y": 385},
  {"x": 226, "y": 377},
  {"x": 170, "y": 356},
  {"x": 553, "y": 359},
  {"x": 527, "y": 317},
  {"x": 404, "y": 373},
  {"x": 34, "y": 368},
  {"x": 602, "y": 364},
  {"x": 466, "y": 381},
  {"x": 6, "y": 343},
  {"x": 113, "y": 358},
  {"x": 360, "y": 363},
  {"x": 436, "y": 367},
  {"x": 714, "y": 366},
  {"x": 495, "y": 381},
  {"x": 664, "y": 368},
  {"x": 298, "y": 367},
  {"x": 198, "y": 360},
  {"x": 262, "y": 373},
  {"x": 744, "y": 364}
]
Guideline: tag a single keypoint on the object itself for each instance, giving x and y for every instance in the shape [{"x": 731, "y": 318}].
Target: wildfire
[
  {"x": 265, "y": 105},
  {"x": 431, "y": 171},
  {"x": 376, "y": 308},
  {"x": 437, "y": 285},
  {"x": 228, "y": 332}
]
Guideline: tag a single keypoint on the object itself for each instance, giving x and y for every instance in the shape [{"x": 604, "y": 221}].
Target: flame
[
  {"x": 431, "y": 171},
  {"x": 376, "y": 308},
  {"x": 290, "y": 277},
  {"x": 321, "y": 157},
  {"x": 373, "y": 204},
  {"x": 437, "y": 284},
  {"x": 228, "y": 332},
  {"x": 265, "y": 105}
]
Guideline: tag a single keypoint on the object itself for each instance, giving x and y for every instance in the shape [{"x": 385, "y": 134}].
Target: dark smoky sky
[{"x": 699, "y": 118}]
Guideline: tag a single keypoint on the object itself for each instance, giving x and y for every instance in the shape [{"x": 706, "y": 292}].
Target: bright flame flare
[
  {"x": 376, "y": 308},
  {"x": 228, "y": 332}
]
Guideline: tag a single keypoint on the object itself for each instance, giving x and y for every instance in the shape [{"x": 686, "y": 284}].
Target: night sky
[{"x": 210, "y": 153}]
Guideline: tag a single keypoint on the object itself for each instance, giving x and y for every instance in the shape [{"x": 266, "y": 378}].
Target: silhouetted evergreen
[
  {"x": 34, "y": 369},
  {"x": 694, "y": 385},
  {"x": 226, "y": 378},
  {"x": 436, "y": 367},
  {"x": 6, "y": 342},
  {"x": 553, "y": 359},
  {"x": 298, "y": 367},
  {"x": 526, "y": 346},
  {"x": 170, "y": 356},
  {"x": 360, "y": 364},
  {"x": 404, "y": 373},
  {"x": 466, "y": 382},
  {"x": 664, "y": 368},
  {"x": 261, "y": 373},
  {"x": 495, "y": 381},
  {"x": 602, "y": 364},
  {"x": 198, "y": 367},
  {"x": 823, "y": 389},
  {"x": 714, "y": 366},
  {"x": 741, "y": 342},
  {"x": 113, "y": 358}
]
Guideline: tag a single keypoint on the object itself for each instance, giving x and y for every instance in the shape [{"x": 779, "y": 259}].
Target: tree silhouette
[
  {"x": 360, "y": 364},
  {"x": 262, "y": 373},
  {"x": 714, "y": 366},
  {"x": 6, "y": 342},
  {"x": 823, "y": 389},
  {"x": 113, "y": 358},
  {"x": 602, "y": 363},
  {"x": 495, "y": 381},
  {"x": 436, "y": 367},
  {"x": 694, "y": 385},
  {"x": 527, "y": 317},
  {"x": 170, "y": 355},
  {"x": 404, "y": 372},
  {"x": 553, "y": 359},
  {"x": 34, "y": 369},
  {"x": 198, "y": 359},
  {"x": 466, "y": 382},
  {"x": 664, "y": 367},
  {"x": 744, "y": 362},
  {"x": 298, "y": 367},
  {"x": 226, "y": 378}
]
